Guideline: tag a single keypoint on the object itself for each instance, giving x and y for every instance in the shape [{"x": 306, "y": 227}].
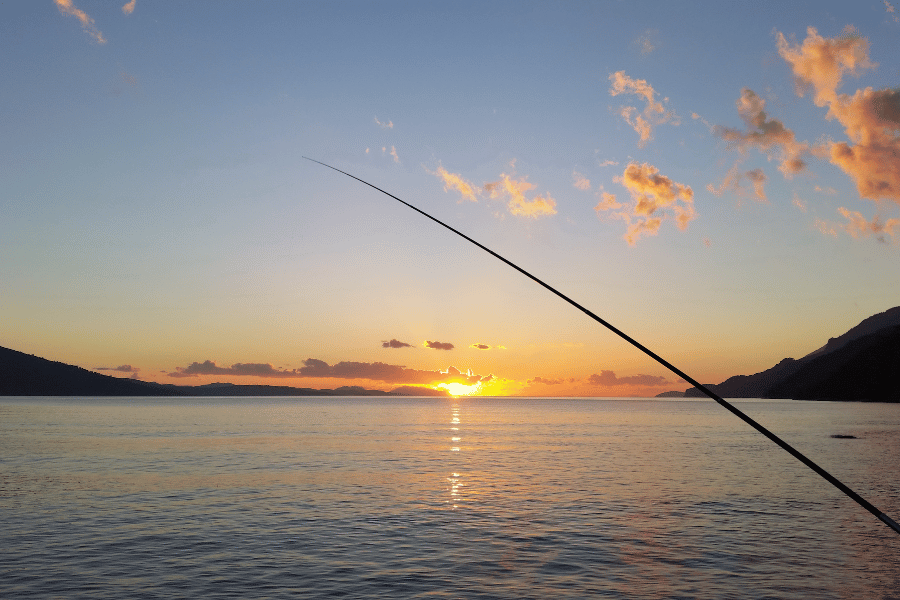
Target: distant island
[
  {"x": 27, "y": 375},
  {"x": 862, "y": 364}
]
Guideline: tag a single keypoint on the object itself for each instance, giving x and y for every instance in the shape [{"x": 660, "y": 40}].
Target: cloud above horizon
[
  {"x": 395, "y": 344},
  {"x": 654, "y": 113},
  {"x": 66, "y": 7},
  {"x": 314, "y": 368},
  {"x": 120, "y": 368},
  {"x": 128, "y": 8},
  {"x": 438, "y": 345},
  {"x": 609, "y": 378}
]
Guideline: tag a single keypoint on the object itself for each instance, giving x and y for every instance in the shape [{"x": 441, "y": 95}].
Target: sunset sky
[{"x": 719, "y": 180}]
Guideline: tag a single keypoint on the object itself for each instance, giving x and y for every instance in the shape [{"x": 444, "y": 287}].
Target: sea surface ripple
[{"x": 442, "y": 498}]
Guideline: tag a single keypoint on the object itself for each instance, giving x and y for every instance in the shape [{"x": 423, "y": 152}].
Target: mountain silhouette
[
  {"x": 27, "y": 375},
  {"x": 861, "y": 364}
]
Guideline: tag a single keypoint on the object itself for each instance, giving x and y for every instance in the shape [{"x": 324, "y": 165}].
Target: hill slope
[{"x": 859, "y": 364}]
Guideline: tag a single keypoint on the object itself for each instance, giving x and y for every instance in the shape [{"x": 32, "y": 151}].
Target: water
[{"x": 440, "y": 498}]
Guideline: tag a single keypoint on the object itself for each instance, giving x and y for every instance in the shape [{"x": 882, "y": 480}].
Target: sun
[{"x": 459, "y": 389}]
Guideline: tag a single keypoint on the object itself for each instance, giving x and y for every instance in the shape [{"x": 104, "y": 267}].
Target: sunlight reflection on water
[{"x": 502, "y": 498}]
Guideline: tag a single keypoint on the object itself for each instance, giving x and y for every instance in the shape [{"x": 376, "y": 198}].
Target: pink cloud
[
  {"x": 66, "y": 7},
  {"x": 654, "y": 112},
  {"x": 654, "y": 197}
]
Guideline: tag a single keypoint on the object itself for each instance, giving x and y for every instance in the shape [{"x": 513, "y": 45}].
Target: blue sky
[{"x": 157, "y": 213}]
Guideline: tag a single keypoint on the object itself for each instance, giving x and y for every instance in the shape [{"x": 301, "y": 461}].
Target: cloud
[
  {"x": 609, "y": 378},
  {"x": 820, "y": 63},
  {"x": 607, "y": 202},
  {"x": 647, "y": 41},
  {"x": 542, "y": 381},
  {"x": 120, "y": 368},
  {"x": 66, "y": 7},
  {"x": 580, "y": 181},
  {"x": 388, "y": 125},
  {"x": 655, "y": 198},
  {"x": 769, "y": 136},
  {"x": 393, "y": 153},
  {"x": 129, "y": 7},
  {"x": 799, "y": 203},
  {"x": 438, "y": 345},
  {"x": 654, "y": 113},
  {"x": 732, "y": 182},
  {"x": 608, "y": 163},
  {"x": 456, "y": 182},
  {"x": 888, "y": 8},
  {"x": 857, "y": 225},
  {"x": 395, "y": 344},
  {"x": 314, "y": 368},
  {"x": 871, "y": 118},
  {"x": 708, "y": 125},
  {"x": 507, "y": 188},
  {"x": 518, "y": 204},
  {"x": 480, "y": 346}
]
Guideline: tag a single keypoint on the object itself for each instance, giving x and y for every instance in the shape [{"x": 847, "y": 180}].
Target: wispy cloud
[
  {"x": 858, "y": 226},
  {"x": 395, "y": 344},
  {"x": 870, "y": 117},
  {"x": 654, "y": 197},
  {"x": 799, "y": 203},
  {"x": 732, "y": 182},
  {"x": 891, "y": 11},
  {"x": 607, "y": 202},
  {"x": 708, "y": 125},
  {"x": 456, "y": 182},
  {"x": 544, "y": 381},
  {"x": 647, "y": 42},
  {"x": 480, "y": 346},
  {"x": 514, "y": 190},
  {"x": 438, "y": 345},
  {"x": 654, "y": 113},
  {"x": 508, "y": 189},
  {"x": 393, "y": 153},
  {"x": 609, "y": 378},
  {"x": 66, "y": 7},
  {"x": 580, "y": 181},
  {"x": 120, "y": 368},
  {"x": 129, "y": 7},
  {"x": 388, "y": 125},
  {"x": 767, "y": 135}
]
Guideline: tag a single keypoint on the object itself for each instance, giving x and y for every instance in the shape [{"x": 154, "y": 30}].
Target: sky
[{"x": 721, "y": 181}]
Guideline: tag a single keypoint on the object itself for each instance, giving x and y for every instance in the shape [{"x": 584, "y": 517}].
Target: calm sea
[{"x": 442, "y": 498}]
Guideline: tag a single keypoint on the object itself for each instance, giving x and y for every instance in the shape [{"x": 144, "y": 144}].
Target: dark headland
[
  {"x": 27, "y": 375},
  {"x": 862, "y": 364}
]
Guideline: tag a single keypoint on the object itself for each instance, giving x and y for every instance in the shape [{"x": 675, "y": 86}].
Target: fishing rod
[{"x": 721, "y": 401}]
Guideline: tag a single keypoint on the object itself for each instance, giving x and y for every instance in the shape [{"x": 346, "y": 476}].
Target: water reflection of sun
[{"x": 460, "y": 389}]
